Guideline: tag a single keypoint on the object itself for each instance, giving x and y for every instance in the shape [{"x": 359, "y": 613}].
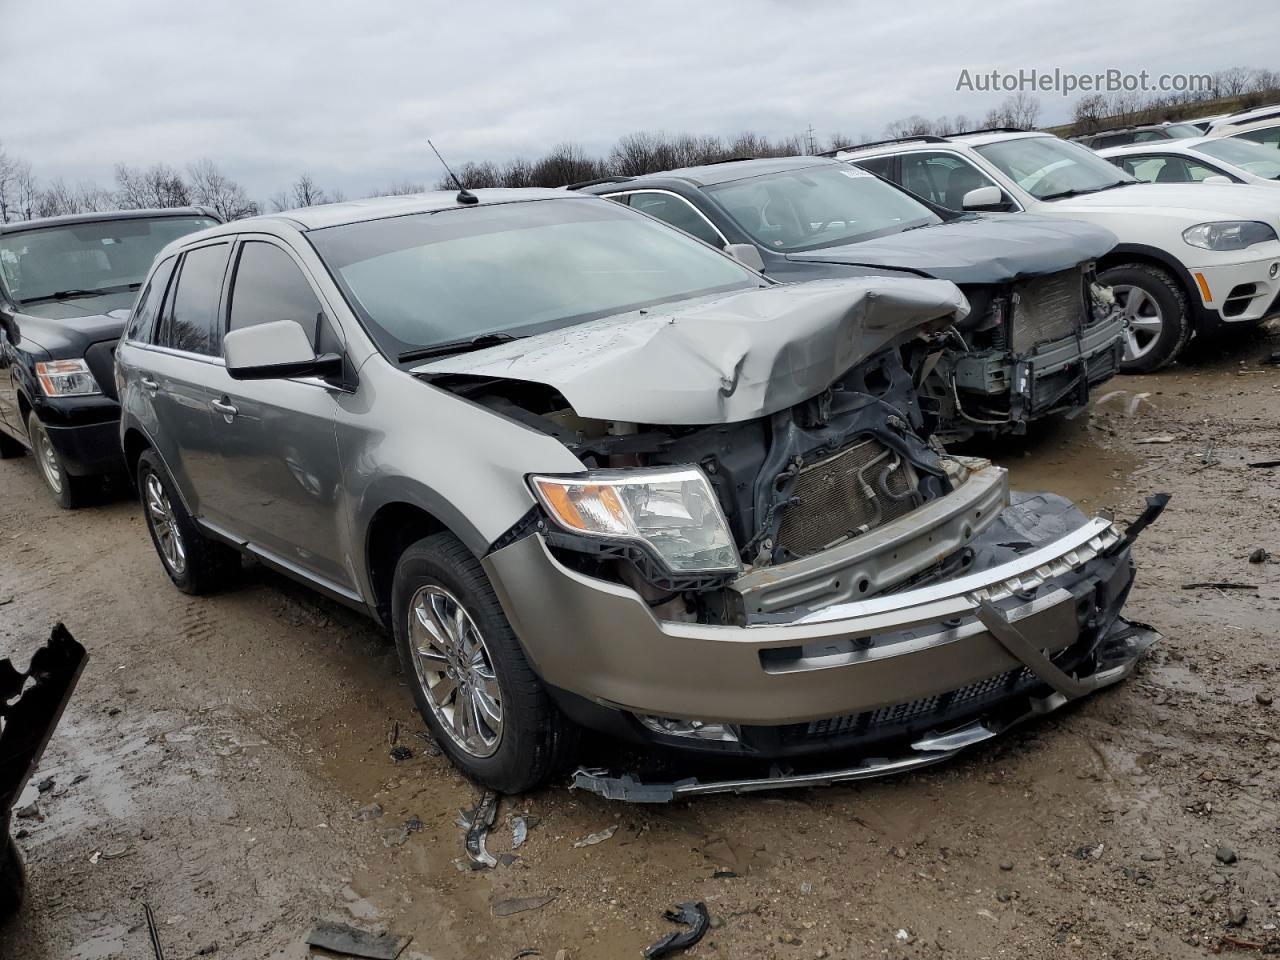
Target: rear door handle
[{"x": 228, "y": 410}]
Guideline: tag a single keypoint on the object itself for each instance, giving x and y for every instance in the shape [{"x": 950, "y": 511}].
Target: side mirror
[
  {"x": 746, "y": 254},
  {"x": 1217, "y": 178},
  {"x": 983, "y": 198},
  {"x": 275, "y": 351},
  {"x": 10, "y": 326}
]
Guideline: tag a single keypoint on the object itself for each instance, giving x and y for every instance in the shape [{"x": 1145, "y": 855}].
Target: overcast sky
[{"x": 350, "y": 91}]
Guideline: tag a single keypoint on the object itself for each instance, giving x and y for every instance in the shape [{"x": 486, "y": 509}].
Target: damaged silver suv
[{"x": 592, "y": 472}]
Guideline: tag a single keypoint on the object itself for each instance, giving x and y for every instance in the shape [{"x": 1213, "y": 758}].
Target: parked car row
[
  {"x": 1189, "y": 260},
  {"x": 655, "y": 456}
]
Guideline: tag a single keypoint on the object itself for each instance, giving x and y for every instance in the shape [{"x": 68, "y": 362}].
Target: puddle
[{"x": 1066, "y": 457}]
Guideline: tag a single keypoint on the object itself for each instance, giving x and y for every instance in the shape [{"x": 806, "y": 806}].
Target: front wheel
[
  {"x": 67, "y": 490},
  {"x": 1157, "y": 323},
  {"x": 471, "y": 682}
]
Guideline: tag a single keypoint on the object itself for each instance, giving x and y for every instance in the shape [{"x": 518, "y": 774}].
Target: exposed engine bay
[{"x": 792, "y": 484}]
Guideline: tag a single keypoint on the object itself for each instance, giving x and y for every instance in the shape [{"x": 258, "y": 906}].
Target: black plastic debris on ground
[
  {"x": 692, "y": 915},
  {"x": 353, "y": 942}
]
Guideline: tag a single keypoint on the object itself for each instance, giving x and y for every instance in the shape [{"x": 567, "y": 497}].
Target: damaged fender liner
[{"x": 1118, "y": 655}]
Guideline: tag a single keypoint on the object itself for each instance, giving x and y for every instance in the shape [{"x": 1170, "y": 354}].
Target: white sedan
[{"x": 1215, "y": 159}]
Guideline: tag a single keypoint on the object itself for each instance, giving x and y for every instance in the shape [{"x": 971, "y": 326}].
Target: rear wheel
[
  {"x": 67, "y": 490},
  {"x": 1157, "y": 323},
  {"x": 483, "y": 702},
  {"x": 195, "y": 563}
]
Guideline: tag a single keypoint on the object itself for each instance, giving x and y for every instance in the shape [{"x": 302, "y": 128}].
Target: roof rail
[
  {"x": 596, "y": 182},
  {"x": 921, "y": 138},
  {"x": 723, "y": 160},
  {"x": 1265, "y": 106},
  {"x": 969, "y": 133}
]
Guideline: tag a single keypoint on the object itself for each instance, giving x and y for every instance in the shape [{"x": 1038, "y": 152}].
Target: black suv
[
  {"x": 1039, "y": 333},
  {"x": 67, "y": 285}
]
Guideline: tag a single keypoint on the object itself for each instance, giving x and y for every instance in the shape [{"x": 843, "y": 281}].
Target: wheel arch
[
  {"x": 402, "y": 518},
  {"x": 1138, "y": 253}
]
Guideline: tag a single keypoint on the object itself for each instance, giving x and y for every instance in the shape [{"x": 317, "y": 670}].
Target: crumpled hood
[
  {"x": 988, "y": 249},
  {"x": 1194, "y": 202},
  {"x": 720, "y": 360}
]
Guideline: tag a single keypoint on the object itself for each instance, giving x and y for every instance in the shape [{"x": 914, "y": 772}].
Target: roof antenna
[{"x": 464, "y": 196}]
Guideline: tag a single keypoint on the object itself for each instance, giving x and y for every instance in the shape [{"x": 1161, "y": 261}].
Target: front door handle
[
  {"x": 228, "y": 410},
  {"x": 149, "y": 384}
]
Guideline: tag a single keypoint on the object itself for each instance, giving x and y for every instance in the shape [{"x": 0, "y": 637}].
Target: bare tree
[
  {"x": 306, "y": 193},
  {"x": 210, "y": 188},
  {"x": 26, "y": 191},
  {"x": 912, "y": 126},
  {"x": 8, "y": 172},
  {"x": 154, "y": 187}
]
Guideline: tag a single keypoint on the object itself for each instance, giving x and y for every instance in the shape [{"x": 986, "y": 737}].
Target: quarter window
[
  {"x": 880, "y": 166},
  {"x": 679, "y": 213},
  {"x": 191, "y": 321},
  {"x": 142, "y": 323},
  {"x": 269, "y": 286}
]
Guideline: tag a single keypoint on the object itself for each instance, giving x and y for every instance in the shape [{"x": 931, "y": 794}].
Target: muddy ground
[{"x": 226, "y": 745}]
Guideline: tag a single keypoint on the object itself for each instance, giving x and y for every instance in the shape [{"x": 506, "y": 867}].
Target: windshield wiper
[
  {"x": 456, "y": 346},
  {"x": 71, "y": 294},
  {"x": 1076, "y": 192}
]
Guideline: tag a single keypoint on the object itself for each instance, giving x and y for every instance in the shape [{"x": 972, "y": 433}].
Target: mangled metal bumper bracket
[{"x": 1117, "y": 656}]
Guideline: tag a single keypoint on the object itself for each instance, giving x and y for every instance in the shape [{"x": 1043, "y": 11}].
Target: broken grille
[
  {"x": 1047, "y": 308},
  {"x": 927, "y": 708},
  {"x": 846, "y": 494}
]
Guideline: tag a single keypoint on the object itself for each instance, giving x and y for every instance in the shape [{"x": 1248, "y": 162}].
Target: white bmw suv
[{"x": 1190, "y": 260}]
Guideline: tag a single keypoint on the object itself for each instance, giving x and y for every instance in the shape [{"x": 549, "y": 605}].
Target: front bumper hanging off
[{"x": 1117, "y": 656}]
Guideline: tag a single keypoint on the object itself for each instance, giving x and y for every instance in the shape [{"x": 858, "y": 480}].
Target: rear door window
[
  {"x": 142, "y": 323},
  {"x": 191, "y": 319}
]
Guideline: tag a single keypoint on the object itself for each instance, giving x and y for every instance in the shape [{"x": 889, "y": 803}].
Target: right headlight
[
  {"x": 1228, "y": 234},
  {"x": 672, "y": 510},
  {"x": 66, "y": 378}
]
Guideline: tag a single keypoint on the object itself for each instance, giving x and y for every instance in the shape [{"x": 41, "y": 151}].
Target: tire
[
  {"x": 195, "y": 563},
  {"x": 1161, "y": 326},
  {"x": 531, "y": 737},
  {"x": 69, "y": 492},
  {"x": 13, "y": 878},
  {"x": 10, "y": 448}
]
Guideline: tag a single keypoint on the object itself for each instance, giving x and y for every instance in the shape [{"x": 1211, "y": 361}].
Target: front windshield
[
  {"x": 1049, "y": 168},
  {"x": 819, "y": 206},
  {"x": 82, "y": 259},
  {"x": 428, "y": 279},
  {"x": 1180, "y": 131},
  {"x": 1252, "y": 157}
]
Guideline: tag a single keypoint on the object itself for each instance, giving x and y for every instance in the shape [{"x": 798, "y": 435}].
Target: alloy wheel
[
  {"x": 455, "y": 671},
  {"x": 1143, "y": 321},
  {"x": 169, "y": 538},
  {"x": 47, "y": 457}
]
